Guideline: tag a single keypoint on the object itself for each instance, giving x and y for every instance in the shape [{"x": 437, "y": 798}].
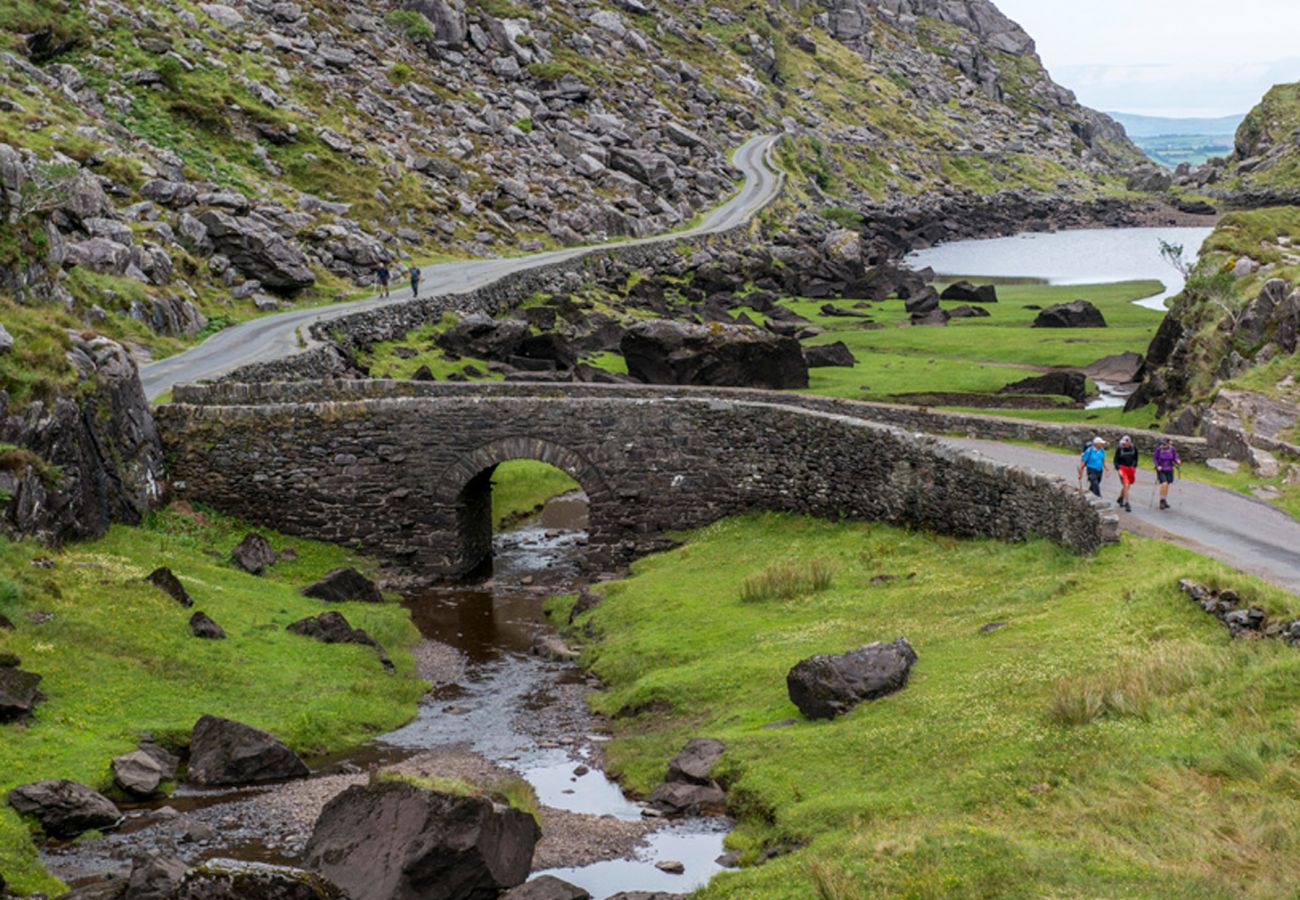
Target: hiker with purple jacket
[{"x": 1165, "y": 458}]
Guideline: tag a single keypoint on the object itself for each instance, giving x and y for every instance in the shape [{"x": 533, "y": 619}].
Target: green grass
[
  {"x": 521, "y": 487},
  {"x": 1109, "y": 741},
  {"x": 118, "y": 660}
]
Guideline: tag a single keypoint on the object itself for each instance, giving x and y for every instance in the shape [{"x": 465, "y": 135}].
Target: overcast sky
[{"x": 1165, "y": 57}]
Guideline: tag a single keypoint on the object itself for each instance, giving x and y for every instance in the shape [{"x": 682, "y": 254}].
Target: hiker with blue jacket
[{"x": 1093, "y": 461}]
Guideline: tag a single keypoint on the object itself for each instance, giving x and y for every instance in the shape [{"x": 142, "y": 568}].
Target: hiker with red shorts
[{"x": 1126, "y": 464}]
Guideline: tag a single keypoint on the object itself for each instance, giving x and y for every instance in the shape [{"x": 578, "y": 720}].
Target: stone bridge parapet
[{"x": 403, "y": 470}]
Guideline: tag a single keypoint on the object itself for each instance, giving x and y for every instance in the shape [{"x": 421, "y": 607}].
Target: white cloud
[{"x": 1165, "y": 57}]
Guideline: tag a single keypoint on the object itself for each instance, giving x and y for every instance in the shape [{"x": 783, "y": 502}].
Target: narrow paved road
[
  {"x": 1245, "y": 533},
  {"x": 276, "y": 336}
]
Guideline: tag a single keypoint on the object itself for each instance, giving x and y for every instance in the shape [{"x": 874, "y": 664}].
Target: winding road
[
  {"x": 1235, "y": 529},
  {"x": 276, "y": 336},
  {"x": 1243, "y": 532}
]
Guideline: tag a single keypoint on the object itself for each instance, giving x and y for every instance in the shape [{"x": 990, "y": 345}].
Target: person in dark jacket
[{"x": 1126, "y": 464}]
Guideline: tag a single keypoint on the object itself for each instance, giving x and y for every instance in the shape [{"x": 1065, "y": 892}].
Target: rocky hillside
[{"x": 170, "y": 167}]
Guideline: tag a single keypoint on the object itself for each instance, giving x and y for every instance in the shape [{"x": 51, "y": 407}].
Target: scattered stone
[
  {"x": 827, "y": 686},
  {"x": 19, "y": 693},
  {"x": 1226, "y": 466},
  {"x": 254, "y": 554},
  {"x": 671, "y": 866},
  {"x": 343, "y": 585},
  {"x": 1225, "y": 605},
  {"x": 156, "y": 878},
  {"x": 6, "y": 340},
  {"x": 201, "y": 626},
  {"x": 826, "y": 355},
  {"x": 552, "y": 647},
  {"x": 694, "y": 763},
  {"x": 965, "y": 292},
  {"x": 137, "y": 773},
  {"x": 334, "y": 628},
  {"x": 163, "y": 579},
  {"x": 251, "y": 881},
  {"x": 968, "y": 312},
  {"x": 689, "y": 788},
  {"x": 546, "y": 887},
  {"x": 992, "y": 626},
  {"x": 227, "y": 752},
  {"x": 1076, "y": 314},
  {"x": 64, "y": 808},
  {"x": 431, "y": 844}
]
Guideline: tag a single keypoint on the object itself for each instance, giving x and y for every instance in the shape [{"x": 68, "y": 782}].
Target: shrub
[
  {"x": 525, "y": 125},
  {"x": 412, "y": 25},
  {"x": 400, "y": 73},
  {"x": 170, "y": 71},
  {"x": 787, "y": 580}
]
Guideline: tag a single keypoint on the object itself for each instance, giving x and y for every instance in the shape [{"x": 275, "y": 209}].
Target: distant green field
[{"x": 1194, "y": 149}]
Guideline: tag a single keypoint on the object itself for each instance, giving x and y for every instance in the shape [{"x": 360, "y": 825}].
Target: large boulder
[
  {"x": 393, "y": 839},
  {"x": 258, "y": 252},
  {"x": 137, "y": 773},
  {"x": 64, "y": 808},
  {"x": 827, "y": 686},
  {"x": 1065, "y": 384},
  {"x": 1076, "y": 314},
  {"x": 483, "y": 337},
  {"x": 965, "y": 292},
  {"x": 664, "y": 352},
  {"x": 343, "y": 585},
  {"x": 837, "y": 354},
  {"x": 254, "y": 554},
  {"x": 227, "y": 752},
  {"x": 203, "y": 626},
  {"x": 166, "y": 581},
  {"x": 654, "y": 170},
  {"x": 19, "y": 693}
]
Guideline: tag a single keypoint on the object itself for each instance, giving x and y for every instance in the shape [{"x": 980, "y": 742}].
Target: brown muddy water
[{"x": 495, "y": 709}]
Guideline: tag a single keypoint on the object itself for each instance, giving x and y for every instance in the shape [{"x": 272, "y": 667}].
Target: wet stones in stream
[{"x": 689, "y": 788}]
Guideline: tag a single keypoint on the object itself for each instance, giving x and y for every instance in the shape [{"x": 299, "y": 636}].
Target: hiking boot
[
  {"x": 1119, "y": 501},
  {"x": 1128, "y": 508},
  {"x": 1164, "y": 504}
]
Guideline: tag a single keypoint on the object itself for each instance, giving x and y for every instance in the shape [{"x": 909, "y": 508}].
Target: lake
[{"x": 1083, "y": 256}]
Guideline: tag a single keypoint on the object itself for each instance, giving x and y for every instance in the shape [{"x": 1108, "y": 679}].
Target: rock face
[
  {"x": 333, "y": 628},
  {"x": 826, "y": 355},
  {"x": 396, "y": 840},
  {"x": 1065, "y": 384},
  {"x": 227, "y": 752},
  {"x": 65, "y": 809},
  {"x": 689, "y": 788},
  {"x": 137, "y": 773},
  {"x": 166, "y": 581},
  {"x": 258, "y": 252},
  {"x": 254, "y": 554},
  {"x": 965, "y": 292},
  {"x": 663, "y": 352},
  {"x": 1076, "y": 314},
  {"x": 19, "y": 693},
  {"x": 104, "y": 444},
  {"x": 824, "y": 687},
  {"x": 343, "y": 585}
]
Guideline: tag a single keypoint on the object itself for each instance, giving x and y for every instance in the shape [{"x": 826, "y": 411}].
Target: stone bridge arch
[{"x": 465, "y": 489}]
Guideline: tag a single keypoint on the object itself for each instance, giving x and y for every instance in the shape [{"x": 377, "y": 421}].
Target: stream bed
[{"x": 496, "y": 710}]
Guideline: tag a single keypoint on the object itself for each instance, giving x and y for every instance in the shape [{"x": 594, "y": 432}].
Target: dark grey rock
[
  {"x": 1065, "y": 384},
  {"x": 343, "y": 585},
  {"x": 1076, "y": 314},
  {"x": 254, "y": 882},
  {"x": 254, "y": 554},
  {"x": 396, "y": 840},
  {"x": 333, "y": 628},
  {"x": 137, "y": 773},
  {"x": 156, "y": 878},
  {"x": 827, "y": 686},
  {"x": 825, "y": 355},
  {"x": 258, "y": 252},
  {"x": 965, "y": 292},
  {"x": 694, "y": 763},
  {"x": 227, "y": 752},
  {"x": 64, "y": 808},
  {"x": 677, "y": 798},
  {"x": 19, "y": 693},
  {"x": 166, "y": 581},
  {"x": 546, "y": 887},
  {"x": 664, "y": 352},
  {"x": 202, "y": 626}
]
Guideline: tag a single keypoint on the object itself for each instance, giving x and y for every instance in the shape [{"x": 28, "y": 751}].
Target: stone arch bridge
[{"x": 403, "y": 469}]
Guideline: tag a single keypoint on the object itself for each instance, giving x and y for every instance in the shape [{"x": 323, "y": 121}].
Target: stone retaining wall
[{"x": 399, "y": 469}]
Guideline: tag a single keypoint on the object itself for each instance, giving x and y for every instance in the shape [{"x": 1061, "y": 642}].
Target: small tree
[{"x": 1173, "y": 254}]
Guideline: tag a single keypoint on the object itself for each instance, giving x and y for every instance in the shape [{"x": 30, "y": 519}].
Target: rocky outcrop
[
  {"x": 663, "y": 352},
  {"x": 824, "y": 687},
  {"x": 95, "y": 459},
  {"x": 1063, "y": 384},
  {"x": 342, "y": 586},
  {"x": 63, "y": 808},
  {"x": 394, "y": 839},
  {"x": 225, "y": 752},
  {"x": 1076, "y": 314},
  {"x": 258, "y": 252}
]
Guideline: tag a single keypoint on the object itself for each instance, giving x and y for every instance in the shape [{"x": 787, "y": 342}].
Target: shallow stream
[{"x": 505, "y": 709}]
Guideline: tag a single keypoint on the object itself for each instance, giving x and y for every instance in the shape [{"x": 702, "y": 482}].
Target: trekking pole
[{"x": 1154, "y": 486}]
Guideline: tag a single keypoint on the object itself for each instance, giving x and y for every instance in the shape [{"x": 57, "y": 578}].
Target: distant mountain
[{"x": 1160, "y": 126}]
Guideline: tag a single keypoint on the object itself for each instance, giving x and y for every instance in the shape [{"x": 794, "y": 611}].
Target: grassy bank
[
  {"x": 1108, "y": 741},
  {"x": 521, "y": 487},
  {"x": 118, "y": 660}
]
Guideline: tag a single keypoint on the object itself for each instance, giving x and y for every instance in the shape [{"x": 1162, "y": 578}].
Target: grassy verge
[
  {"x": 1110, "y": 740},
  {"x": 118, "y": 660},
  {"x": 522, "y": 486}
]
